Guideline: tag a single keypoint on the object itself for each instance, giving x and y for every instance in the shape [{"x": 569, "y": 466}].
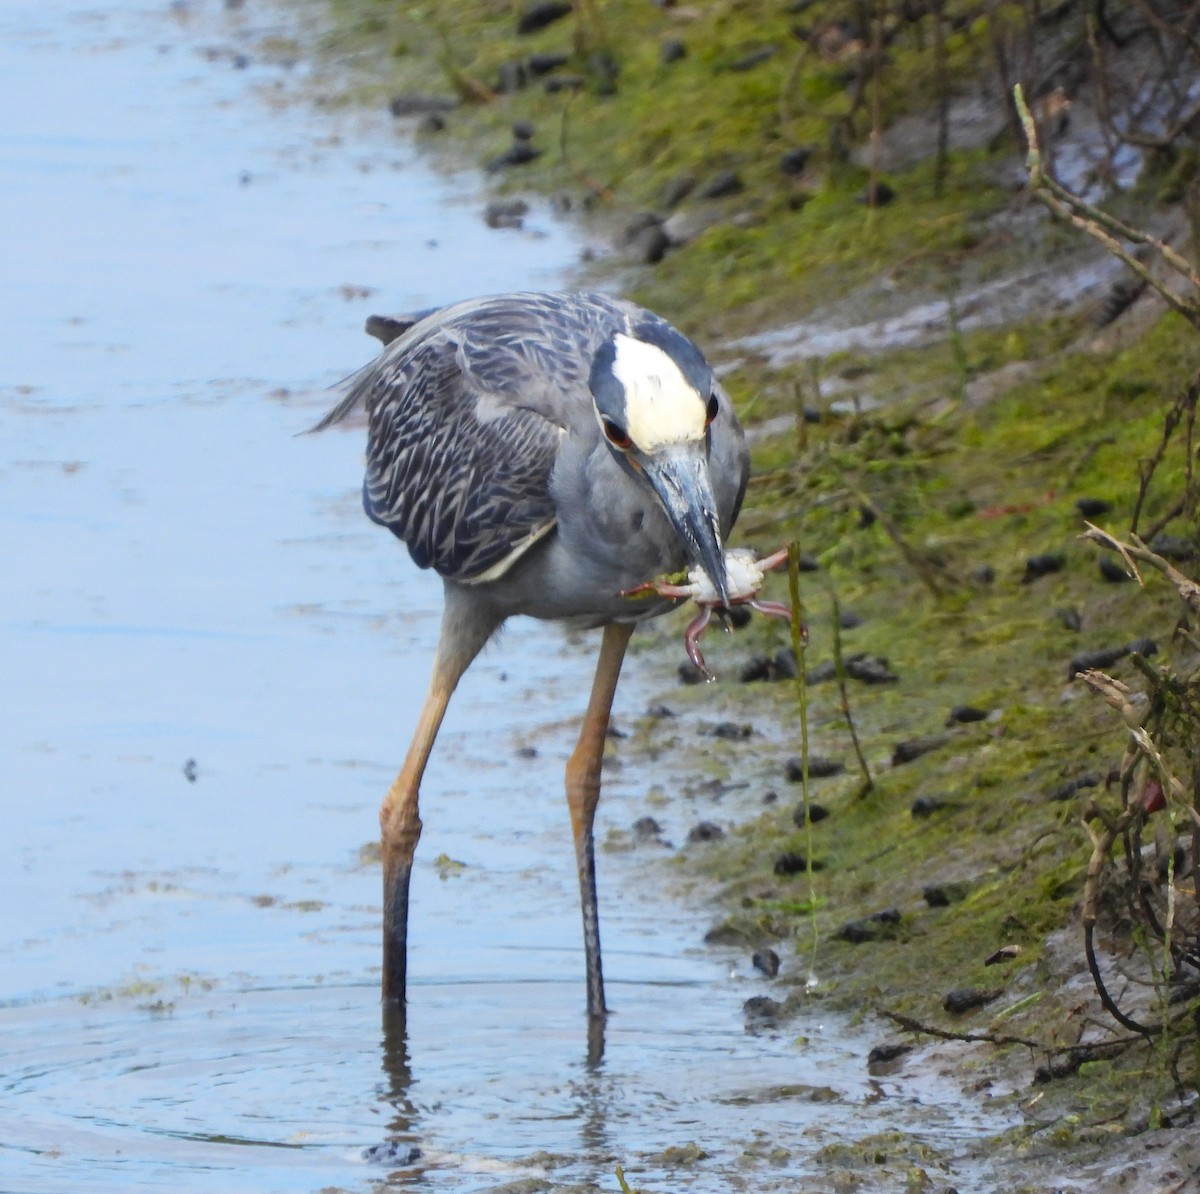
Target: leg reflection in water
[{"x": 401, "y": 1148}]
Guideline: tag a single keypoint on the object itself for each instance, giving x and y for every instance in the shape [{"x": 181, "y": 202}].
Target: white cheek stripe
[{"x": 661, "y": 406}]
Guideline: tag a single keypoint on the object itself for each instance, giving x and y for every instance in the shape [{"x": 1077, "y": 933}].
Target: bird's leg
[
  {"x": 463, "y": 635},
  {"x": 583, "y": 794}
]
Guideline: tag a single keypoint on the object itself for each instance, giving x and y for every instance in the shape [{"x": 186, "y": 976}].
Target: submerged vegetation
[{"x": 944, "y": 387}]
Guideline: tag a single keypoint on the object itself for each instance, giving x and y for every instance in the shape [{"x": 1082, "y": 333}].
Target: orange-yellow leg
[
  {"x": 464, "y": 632},
  {"x": 583, "y": 794}
]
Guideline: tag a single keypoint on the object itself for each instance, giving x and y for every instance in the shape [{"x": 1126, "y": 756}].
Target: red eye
[
  {"x": 616, "y": 435},
  {"x": 714, "y": 408}
]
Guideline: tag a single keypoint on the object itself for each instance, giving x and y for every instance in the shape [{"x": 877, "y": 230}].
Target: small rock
[
  {"x": 689, "y": 673},
  {"x": 1005, "y": 953},
  {"x": 819, "y": 767},
  {"x": 392, "y": 1152},
  {"x": 527, "y": 752},
  {"x": 684, "y": 226},
  {"x": 539, "y": 16},
  {"x": 822, "y": 673},
  {"x": 677, "y": 190},
  {"x": 505, "y": 213},
  {"x": 1107, "y": 656},
  {"x": 795, "y": 161},
  {"x": 763, "y": 667},
  {"x": 767, "y": 961},
  {"x": 1113, "y": 571},
  {"x": 672, "y": 50},
  {"x": 882, "y": 1054},
  {"x": 543, "y": 64},
  {"x": 794, "y": 863},
  {"x": 816, "y": 812},
  {"x": 914, "y": 748},
  {"x": 520, "y": 153},
  {"x": 942, "y": 895},
  {"x": 552, "y": 84},
  {"x": 1070, "y": 618},
  {"x": 880, "y": 926},
  {"x": 876, "y": 194},
  {"x": 705, "y": 831},
  {"x": 849, "y": 620},
  {"x": 646, "y": 829},
  {"x": 1089, "y": 779},
  {"x": 770, "y": 797},
  {"x": 523, "y": 130},
  {"x": 430, "y": 123},
  {"x": 870, "y": 669},
  {"x": 416, "y": 104},
  {"x": 1092, "y": 507},
  {"x": 723, "y": 183},
  {"x": 660, "y": 711},
  {"x": 762, "y": 1007},
  {"x": 1172, "y": 547},
  {"x": 738, "y": 617},
  {"x": 650, "y": 245},
  {"x": 190, "y": 771},
  {"x": 967, "y": 999},
  {"x": 926, "y": 806},
  {"x": 732, "y": 731},
  {"x": 1043, "y": 565},
  {"x": 985, "y": 574},
  {"x": 965, "y": 714}
]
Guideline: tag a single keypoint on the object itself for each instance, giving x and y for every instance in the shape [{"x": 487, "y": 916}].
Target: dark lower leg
[{"x": 583, "y": 794}]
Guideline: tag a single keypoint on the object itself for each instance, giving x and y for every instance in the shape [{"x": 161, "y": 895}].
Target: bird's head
[{"x": 655, "y": 399}]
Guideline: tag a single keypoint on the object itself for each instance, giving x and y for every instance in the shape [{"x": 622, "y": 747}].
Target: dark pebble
[
  {"x": 795, "y": 161},
  {"x": 672, "y": 50},
  {"x": 738, "y": 617},
  {"x": 1172, "y": 547},
  {"x": 1044, "y": 565},
  {"x": 430, "y": 123},
  {"x": 926, "y": 806},
  {"x": 882, "y": 1054},
  {"x": 543, "y": 64},
  {"x": 1071, "y": 618},
  {"x": 416, "y": 104},
  {"x": 754, "y": 58},
  {"x": 392, "y": 1152},
  {"x": 793, "y": 863},
  {"x": 677, "y": 190},
  {"x": 527, "y": 752},
  {"x": 520, "y": 153},
  {"x": 877, "y": 194},
  {"x": 523, "y": 130},
  {"x": 763, "y": 667},
  {"x": 881, "y": 926},
  {"x": 766, "y": 960},
  {"x": 808, "y": 562},
  {"x": 985, "y": 574},
  {"x": 732, "y": 731},
  {"x": 942, "y": 895},
  {"x": 1092, "y": 507},
  {"x": 1113, "y": 571},
  {"x": 725, "y": 182},
  {"x": 967, "y": 999},
  {"x": 1062, "y": 1067},
  {"x": 646, "y": 829},
  {"x": 553, "y": 84},
  {"x": 822, "y": 673},
  {"x": 538, "y": 16},
  {"x": 1107, "y": 656},
  {"x": 870, "y": 669},
  {"x": 1123, "y": 293},
  {"x": 190, "y": 771},
  {"x": 762, "y": 1007},
  {"x": 816, "y": 812},
  {"x": 505, "y": 213},
  {"x": 914, "y": 748},
  {"x": 848, "y": 620},
  {"x": 689, "y": 673},
  {"x": 964, "y": 714},
  {"x": 770, "y": 797},
  {"x": 819, "y": 767},
  {"x": 705, "y": 831},
  {"x": 866, "y": 517},
  {"x": 638, "y": 224},
  {"x": 650, "y": 245},
  {"x": 1089, "y": 779},
  {"x": 660, "y": 711}
]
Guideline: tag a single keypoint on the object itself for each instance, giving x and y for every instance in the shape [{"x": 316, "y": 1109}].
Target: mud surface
[{"x": 211, "y": 664}]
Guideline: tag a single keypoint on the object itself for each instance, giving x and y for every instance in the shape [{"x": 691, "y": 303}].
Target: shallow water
[{"x": 212, "y": 661}]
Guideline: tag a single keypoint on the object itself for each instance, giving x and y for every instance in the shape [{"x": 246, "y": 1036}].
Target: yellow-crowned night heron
[{"x": 542, "y": 452}]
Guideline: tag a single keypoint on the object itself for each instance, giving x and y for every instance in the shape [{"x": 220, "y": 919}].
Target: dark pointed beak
[{"x": 679, "y": 476}]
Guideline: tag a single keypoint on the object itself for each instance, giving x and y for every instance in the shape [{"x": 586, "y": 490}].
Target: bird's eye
[
  {"x": 616, "y": 435},
  {"x": 713, "y": 410}
]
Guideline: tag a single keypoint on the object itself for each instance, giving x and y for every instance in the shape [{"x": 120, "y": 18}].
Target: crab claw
[{"x": 691, "y": 640}]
